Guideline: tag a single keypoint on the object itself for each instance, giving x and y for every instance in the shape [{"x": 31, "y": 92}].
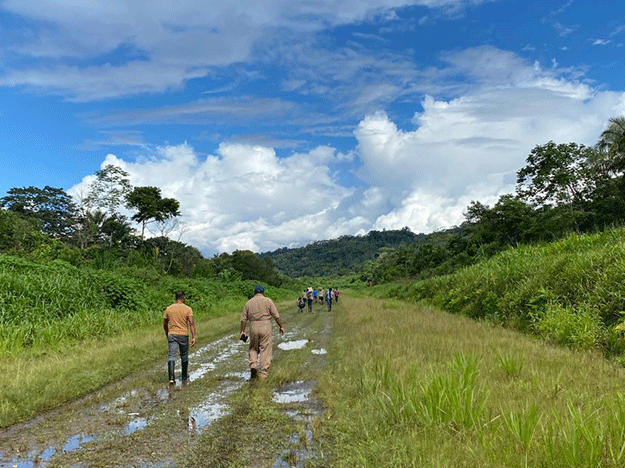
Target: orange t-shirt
[{"x": 179, "y": 316}]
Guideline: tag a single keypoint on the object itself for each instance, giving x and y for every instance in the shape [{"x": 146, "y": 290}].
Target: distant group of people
[{"x": 312, "y": 296}]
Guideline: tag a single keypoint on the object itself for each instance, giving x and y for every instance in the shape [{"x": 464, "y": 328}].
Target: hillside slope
[{"x": 340, "y": 256}]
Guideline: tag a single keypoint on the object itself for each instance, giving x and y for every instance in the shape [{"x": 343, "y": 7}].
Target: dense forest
[
  {"x": 341, "y": 256},
  {"x": 46, "y": 224}
]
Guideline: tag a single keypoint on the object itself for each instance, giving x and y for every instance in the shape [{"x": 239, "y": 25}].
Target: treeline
[
  {"x": 562, "y": 189},
  {"x": 44, "y": 224},
  {"x": 342, "y": 256}
]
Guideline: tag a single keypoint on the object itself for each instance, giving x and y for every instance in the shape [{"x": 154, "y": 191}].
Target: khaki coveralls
[{"x": 259, "y": 311}]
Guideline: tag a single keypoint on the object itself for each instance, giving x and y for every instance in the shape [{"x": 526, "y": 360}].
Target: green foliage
[
  {"x": 246, "y": 265},
  {"x": 512, "y": 365},
  {"x": 150, "y": 205},
  {"x": 556, "y": 174},
  {"x": 579, "y": 328},
  {"x": 108, "y": 191},
  {"x": 48, "y": 304},
  {"x": 341, "y": 256},
  {"x": 570, "y": 291},
  {"x": 52, "y": 208}
]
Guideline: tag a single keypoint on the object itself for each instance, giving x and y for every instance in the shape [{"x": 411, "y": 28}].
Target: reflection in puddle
[
  {"x": 205, "y": 414},
  {"x": 163, "y": 394},
  {"x": 212, "y": 408},
  {"x": 73, "y": 443},
  {"x": 319, "y": 351},
  {"x": 223, "y": 356},
  {"x": 288, "y": 345},
  {"x": 201, "y": 371},
  {"x": 135, "y": 425},
  {"x": 36, "y": 459},
  {"x": 296, "y": 392},
  {"x": 242, "y": 375}
]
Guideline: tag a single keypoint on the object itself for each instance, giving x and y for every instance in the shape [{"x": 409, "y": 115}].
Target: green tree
[
  {"x": 108, "y": 191},
  {"x": 556, "y": 174},
  {"x": 150, "y": 206},
  {"x": 52, "y": 208},
  {"x": 611, "y": 158},
  {"x": 509, "y": 222}
]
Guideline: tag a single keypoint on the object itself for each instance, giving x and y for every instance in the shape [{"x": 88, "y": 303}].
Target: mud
[{"x": 141, "y": 422}]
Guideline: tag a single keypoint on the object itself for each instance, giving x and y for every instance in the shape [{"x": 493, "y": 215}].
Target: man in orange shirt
[{"x": 177, "y": 321}]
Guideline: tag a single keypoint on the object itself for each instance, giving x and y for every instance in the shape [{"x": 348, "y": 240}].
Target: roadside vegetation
[
  {"x": 410, "y": 386},
  {"x": 570, "y": 292}
]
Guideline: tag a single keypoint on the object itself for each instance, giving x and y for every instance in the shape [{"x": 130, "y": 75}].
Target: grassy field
[
  {"x": 412, "y": 386},
  {"x": 402, "y": 385},
  {"x": 571, "y": 292}
]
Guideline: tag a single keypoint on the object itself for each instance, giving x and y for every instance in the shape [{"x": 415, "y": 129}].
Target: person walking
[
  {"x": 309, "y": 297},
  {"x": 258, "y": 311},
  {"x": 177, "y": 322},
  {"x": 329, "y": 296}
]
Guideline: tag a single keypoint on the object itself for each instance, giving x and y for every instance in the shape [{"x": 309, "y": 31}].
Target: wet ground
[{"x": 141, "y": 422}]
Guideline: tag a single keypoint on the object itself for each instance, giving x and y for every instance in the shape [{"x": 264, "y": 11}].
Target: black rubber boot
[
  {"x": 171, "y": 366},
  {"x": 185, "y": 375},
  {"x": 253, "y": 373}
]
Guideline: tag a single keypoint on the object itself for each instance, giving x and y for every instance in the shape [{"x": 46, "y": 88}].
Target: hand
[
  {"x": 281, "y": 331},
  {"x": 193, "y": 341}
]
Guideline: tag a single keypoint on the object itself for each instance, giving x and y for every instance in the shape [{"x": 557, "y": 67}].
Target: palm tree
[{"x": 612, "y": 146}]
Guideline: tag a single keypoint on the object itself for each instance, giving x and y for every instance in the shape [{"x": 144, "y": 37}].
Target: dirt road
[{"x": 141, "y": 422}]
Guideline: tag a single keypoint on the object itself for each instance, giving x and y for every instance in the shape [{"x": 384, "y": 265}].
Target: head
[
  {"x": 259, "y": 289},
  {"x": 181, "y": 296}
]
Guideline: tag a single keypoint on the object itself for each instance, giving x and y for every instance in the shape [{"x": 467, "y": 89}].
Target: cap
[{"x": 259, "y": 289}]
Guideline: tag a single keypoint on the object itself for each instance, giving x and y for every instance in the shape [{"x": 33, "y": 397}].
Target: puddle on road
[
  {"x": 74, "y": 442},
  {"x": 213, "y": 408},
  {"x": 36, "y": 459},
  {"x": 214, "y": 357},
  {"x": 295, "y": 392},
  {"x": 135, "y": 425},
  {"x": 288, "y": 345}
]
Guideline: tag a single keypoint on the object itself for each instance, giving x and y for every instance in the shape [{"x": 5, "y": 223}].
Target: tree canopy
[{"x": 52, "y": 208}]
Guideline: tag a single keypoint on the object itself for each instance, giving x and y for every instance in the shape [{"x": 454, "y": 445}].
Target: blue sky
[{"x": 277, "y": 123}]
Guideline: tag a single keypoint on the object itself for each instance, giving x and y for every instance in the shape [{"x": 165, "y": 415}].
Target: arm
[
  {"x": 280, "y": 328},
  {"x": 243, "y": 323},
  {"x": 193, "y": 331},
  {"x": 166, "y": 325},
  {"x": 273, "y": 310}
]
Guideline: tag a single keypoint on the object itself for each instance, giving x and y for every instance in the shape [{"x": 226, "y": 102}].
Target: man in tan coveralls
[{"x": 258, "y": 311}]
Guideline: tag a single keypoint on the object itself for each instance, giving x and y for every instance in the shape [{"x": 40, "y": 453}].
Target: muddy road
[{"x": 141, "y": 422}]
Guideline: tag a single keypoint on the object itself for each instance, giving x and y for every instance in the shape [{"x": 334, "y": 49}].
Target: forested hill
[{"x": 339, "y": 256}]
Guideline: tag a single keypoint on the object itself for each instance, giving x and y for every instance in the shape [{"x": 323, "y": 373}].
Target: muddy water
[
  {"x": 79, "y": 428},
  {"x": 142, "y": 422}
]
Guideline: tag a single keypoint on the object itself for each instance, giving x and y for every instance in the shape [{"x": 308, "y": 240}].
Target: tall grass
[
  {"x": 54, "y": 304},
  {"x": 571, "y": 292},
  {"x": 414, "y": 386}
]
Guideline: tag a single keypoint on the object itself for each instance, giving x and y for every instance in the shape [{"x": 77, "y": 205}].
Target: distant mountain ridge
[{"x": 341, "y": 256}]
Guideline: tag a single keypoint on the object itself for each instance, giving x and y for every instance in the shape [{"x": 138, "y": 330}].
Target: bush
[{"x": 569, "y": 327}]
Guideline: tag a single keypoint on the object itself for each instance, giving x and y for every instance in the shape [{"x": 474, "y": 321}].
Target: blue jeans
[{"x": 178, "y": 342}]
